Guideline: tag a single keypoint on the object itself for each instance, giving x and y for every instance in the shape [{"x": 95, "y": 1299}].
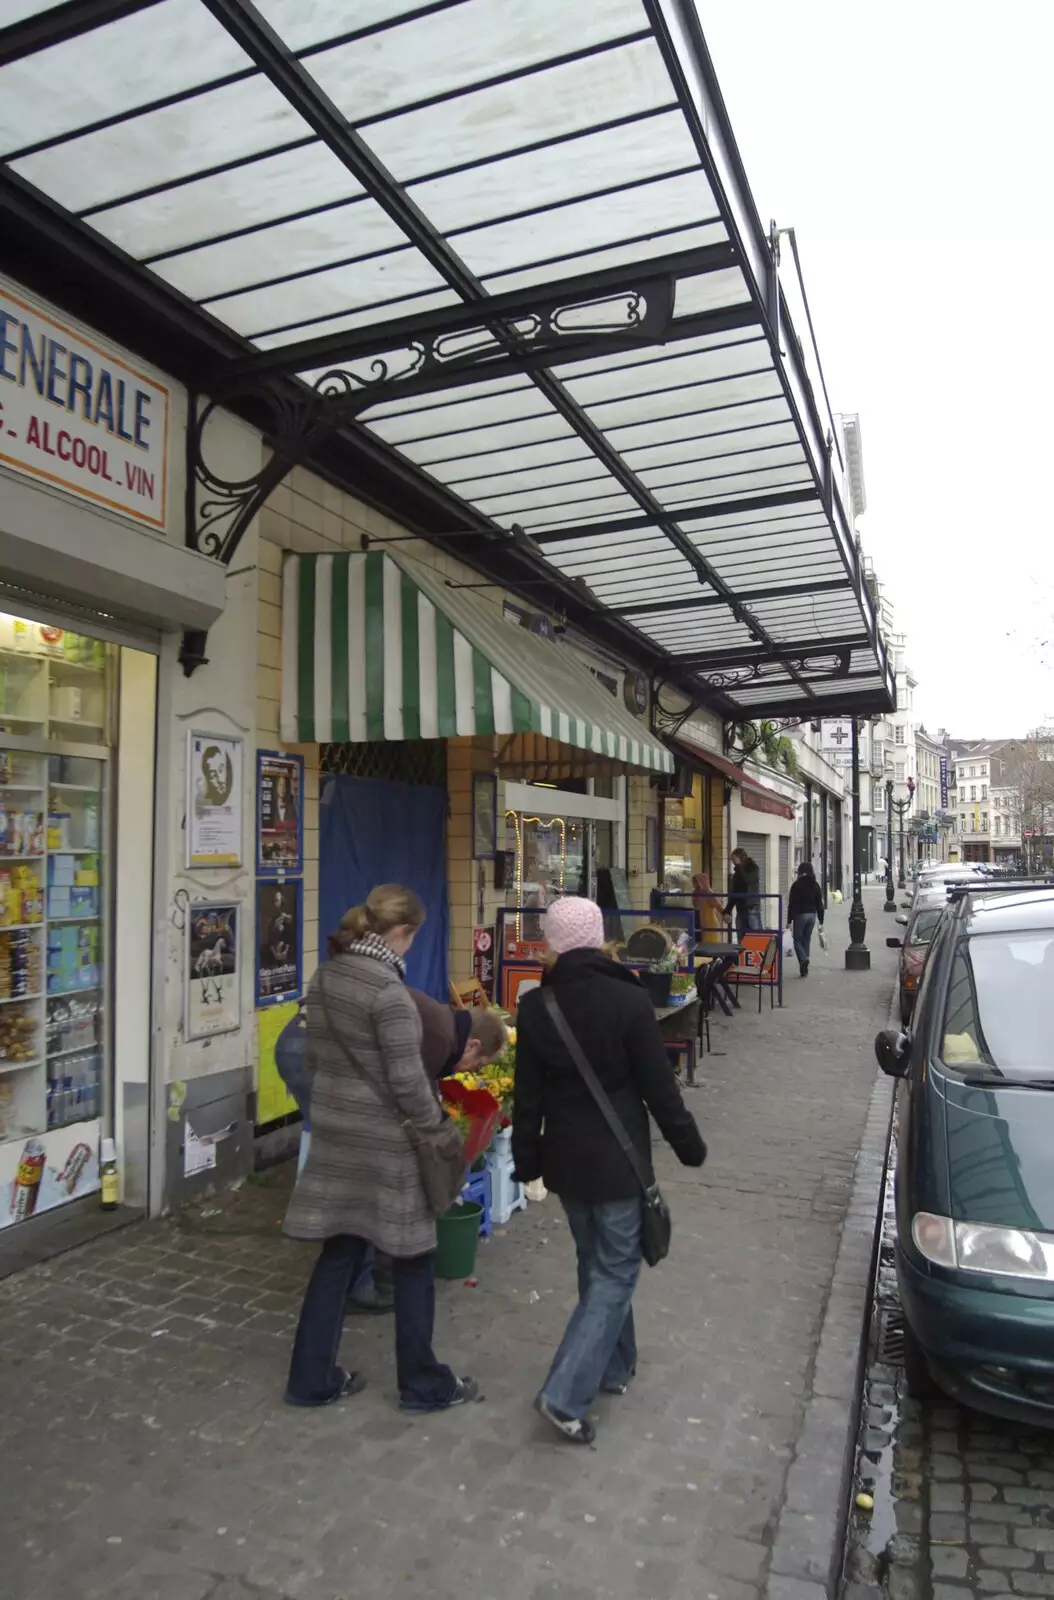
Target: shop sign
[
  {"x": 46, "y": 1170},
  {"x": 483, "y": 959},
  {"x": 944, "y": 783},
  {"x": 75, "y": 414}
]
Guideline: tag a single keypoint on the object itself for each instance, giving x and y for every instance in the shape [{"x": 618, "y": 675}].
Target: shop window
[
  {"x": 56, "y": 714},
  {"x": 684, "y": 840}
]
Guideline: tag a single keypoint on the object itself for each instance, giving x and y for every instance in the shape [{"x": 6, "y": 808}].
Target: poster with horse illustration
[{"x": 213, "y": 980}]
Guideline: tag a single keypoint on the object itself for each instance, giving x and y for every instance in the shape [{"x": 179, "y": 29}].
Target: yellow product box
[{"x": 86, "y": 879}]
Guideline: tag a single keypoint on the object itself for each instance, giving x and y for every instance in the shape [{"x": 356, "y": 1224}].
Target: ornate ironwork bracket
[{"x": 302, "y": 415}]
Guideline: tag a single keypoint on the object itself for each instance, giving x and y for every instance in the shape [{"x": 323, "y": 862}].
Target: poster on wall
[
  {"x": 46, "y": 1170},
  {"x": 279, "y": 813},
  {"x": 213, "y": 985},
  {"x": 273, "y": 1100},
  {"x": 279, "y": 924},
  {"x": 214, "y": 800},
  {"x": 483, "y": 959}
]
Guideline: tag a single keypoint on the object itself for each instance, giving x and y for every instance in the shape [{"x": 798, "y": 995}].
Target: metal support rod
[
  {"x": 857, "y": 956},
  {"x": 902, "y": 808},
  {"x": 891, "y": 899}
]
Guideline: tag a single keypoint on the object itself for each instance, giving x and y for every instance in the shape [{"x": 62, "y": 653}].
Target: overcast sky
[{"x": 910, "y": 147}]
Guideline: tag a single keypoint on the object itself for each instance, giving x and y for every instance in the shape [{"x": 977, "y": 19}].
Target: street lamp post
[
  {"x": 891, "y": 900},
  {"x": 901, "y": 809},
  {"x": 857, "y": 956}
]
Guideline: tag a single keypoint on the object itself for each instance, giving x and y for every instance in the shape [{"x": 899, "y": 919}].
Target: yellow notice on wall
[{"x": 273, "y": 1100}]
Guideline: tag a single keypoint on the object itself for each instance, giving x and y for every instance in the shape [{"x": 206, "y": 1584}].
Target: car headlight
[{"x": 983, "y": 1247}]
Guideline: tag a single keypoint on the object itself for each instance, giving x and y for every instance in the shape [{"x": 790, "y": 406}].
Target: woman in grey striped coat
[{"x": 361, "y": 1184}]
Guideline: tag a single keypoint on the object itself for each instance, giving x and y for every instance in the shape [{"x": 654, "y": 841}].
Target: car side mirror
[
  {"x": 892, "y": 1049},
  {"x": 902, "y": 920},
  {"x": 893, "y": 943}
]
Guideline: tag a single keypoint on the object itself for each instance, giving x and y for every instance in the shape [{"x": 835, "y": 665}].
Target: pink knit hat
[{"x": 572, "y": 923}]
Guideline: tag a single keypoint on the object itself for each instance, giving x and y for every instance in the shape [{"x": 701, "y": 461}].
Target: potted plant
[
  {"x": 681, "y": 988},
  {"x": 657, "y": 977}
]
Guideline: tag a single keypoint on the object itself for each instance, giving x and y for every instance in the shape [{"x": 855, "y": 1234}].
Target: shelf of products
[{"x": 55, "y": 689}]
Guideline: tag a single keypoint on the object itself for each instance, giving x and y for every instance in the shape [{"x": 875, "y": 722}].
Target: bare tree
[{"x": 1028, "y": 768}]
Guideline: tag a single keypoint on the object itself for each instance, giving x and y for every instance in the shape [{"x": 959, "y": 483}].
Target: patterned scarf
[{"x": 371, "y": 944}]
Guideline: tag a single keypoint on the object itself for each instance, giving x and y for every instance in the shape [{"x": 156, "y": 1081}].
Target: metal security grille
[{"x": 416, "y": 761}]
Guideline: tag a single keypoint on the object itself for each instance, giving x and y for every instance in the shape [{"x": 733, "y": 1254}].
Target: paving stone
[
  {"x": 996, "y": 1556},
  {"x": 949, "y": 1563}
]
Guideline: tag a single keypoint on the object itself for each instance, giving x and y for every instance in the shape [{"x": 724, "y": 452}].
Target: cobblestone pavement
[
  {"x": 964, "y": 1503},
  {"x": 145, "y": 1452}
]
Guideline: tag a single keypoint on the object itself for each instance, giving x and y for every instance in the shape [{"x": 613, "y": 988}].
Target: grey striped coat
[{"x": 361, "y": 1174}]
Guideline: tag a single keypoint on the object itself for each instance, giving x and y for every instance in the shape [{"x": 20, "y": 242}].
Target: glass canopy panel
[
  {"x": 587, "y": 224},
  {"x": 302, "y": 23},
  {"x": 275, "y": 338},
  {"x": 242, "y": 119},
  {"x": 572, "y": 370},
  {"x": 612, "y": 505},
  {"x": 547, "y": 499},
  {"x": 100, "y": 74},
  {"x": 462, "y": 469},
  {"x": 561, "y": 475},
  {"x": 247, "y": 196},
  {"x": 458, "y": 416},
  {"x": 402, "y": 272},
  {"x": 702, "y": 469},
  {"x": 635, "y": 252},
  {"x": 358, "y": 228},
  {"x": 711, "y": 446},
  {"x": 703, "y": 422},
  {"x": 592, "y": 161},
  {"x": 506, "y": 117},
  {"x": 12, "y": 11},
  {"x": 408, "y": 404},
  {"x": 454, "y": 48},
  {"x": 620, "y": 552},
  {"x": 686, "y": 399},
  {"x": 681, "y": 367},
  {"x": 727, "y": 488},
  {"x": 503, "y": 437}
]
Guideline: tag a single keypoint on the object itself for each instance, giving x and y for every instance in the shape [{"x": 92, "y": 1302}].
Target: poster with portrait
[
  {"x": 214, "y": 800},
  {"x": 279, "y": 813},
  {"x": 279, "y": 934},
  {"x": 213, "y": 997}
]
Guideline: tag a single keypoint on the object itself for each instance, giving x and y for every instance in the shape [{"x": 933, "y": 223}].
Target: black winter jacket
[
  {"x": 745, "y": 889},
  {"x": 805, "y": 895},
  {"x": 558, "y": 1132}
]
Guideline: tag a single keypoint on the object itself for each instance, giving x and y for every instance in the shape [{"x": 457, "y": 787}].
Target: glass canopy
[{"x": 309, "y": 177}]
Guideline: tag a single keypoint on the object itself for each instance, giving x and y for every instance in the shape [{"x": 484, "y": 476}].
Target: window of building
[
  {"x": 984, "y": 821},
  {"x": 984, "y": 791},
  {"x": 962, "y": 796},
  {"x": 962, "y": 824},
  {"x": 899, "y": 771},
  {"x": 898, "y": 734},
  {"x": 973, "y": 791}
]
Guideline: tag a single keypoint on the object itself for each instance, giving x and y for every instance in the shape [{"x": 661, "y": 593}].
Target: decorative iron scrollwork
[
  {"x": 303, "y": 414},
  {"x": 835, "y": 665}
]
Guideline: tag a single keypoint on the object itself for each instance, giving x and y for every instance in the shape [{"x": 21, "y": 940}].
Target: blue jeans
[
  {"x": 425, "y": 1384},
  {"x": 802, "y": 929},
  {"x": 599, "y": 1348}
]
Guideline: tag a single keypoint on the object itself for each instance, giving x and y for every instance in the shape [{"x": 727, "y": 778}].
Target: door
[
  {"x": 785, "y": 867},
  {"x": 757, "y": 846}
]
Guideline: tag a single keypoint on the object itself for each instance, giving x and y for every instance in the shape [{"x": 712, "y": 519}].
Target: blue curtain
[{"x": 372, "y": 832}]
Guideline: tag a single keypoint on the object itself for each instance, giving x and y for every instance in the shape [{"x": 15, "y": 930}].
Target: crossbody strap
[
  {"x": 611, "y": 1116},
  {"x": 382, "y": 1091}
]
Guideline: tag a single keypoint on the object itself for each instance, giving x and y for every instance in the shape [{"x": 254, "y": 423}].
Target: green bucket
[{"x": 457, "y": 1238}]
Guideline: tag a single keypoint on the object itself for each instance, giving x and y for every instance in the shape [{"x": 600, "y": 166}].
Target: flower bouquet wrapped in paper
[{"x": 476, "y": 1112}]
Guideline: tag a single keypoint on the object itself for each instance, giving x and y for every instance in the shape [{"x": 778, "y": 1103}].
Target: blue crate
[{"x": 477, "y": 1188}]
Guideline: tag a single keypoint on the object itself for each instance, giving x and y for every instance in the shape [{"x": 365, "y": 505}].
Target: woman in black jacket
[
  {"x": 804, "y": 909},
  {"x": 559, "y": 1135}
]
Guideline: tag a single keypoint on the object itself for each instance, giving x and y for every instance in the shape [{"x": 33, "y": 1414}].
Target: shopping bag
[{"x": 822, "y": 938}]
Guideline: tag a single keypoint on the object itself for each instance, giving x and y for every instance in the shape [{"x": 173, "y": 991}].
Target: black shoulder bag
[
  {"x": 440, "y": 1151},
  {"x": 656, "y": 1224}
]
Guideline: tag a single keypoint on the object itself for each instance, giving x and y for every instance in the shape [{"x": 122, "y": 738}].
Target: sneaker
[
  {"x": 578, "y": 1429},
  {"x": 621, "y": 1386},
  {"x": 351, "y": 1383},
  {"x": 466, "y": 1390}
]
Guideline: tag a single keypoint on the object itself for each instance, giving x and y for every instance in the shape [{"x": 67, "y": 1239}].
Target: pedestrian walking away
[
  {"x": 560, "y": 1134},
  {"x": 805, "y": 908},
  {"x": 744, "y": 895},
  {"x": 361, "y": 1184}
]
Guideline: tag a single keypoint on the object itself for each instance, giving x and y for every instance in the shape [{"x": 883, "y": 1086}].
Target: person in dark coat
[
  {"x": 559, "y": 1135},
  {"x": 805, "y": 908},
  {"x": 361, "y": 1184},
  {"x": 744, "y": 895}
]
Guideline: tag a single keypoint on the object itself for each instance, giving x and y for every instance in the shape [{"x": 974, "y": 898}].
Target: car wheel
[{"x": 921, "y": 1385}]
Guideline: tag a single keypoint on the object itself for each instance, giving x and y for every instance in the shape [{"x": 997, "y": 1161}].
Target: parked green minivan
[{"x": 975, "y": 1164}]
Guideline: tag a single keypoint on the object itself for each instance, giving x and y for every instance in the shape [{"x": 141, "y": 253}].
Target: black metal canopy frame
[{"x": 496, "y": 270}]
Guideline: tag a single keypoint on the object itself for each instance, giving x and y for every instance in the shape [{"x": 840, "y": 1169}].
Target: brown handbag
[{"x": 440, "y": 1151}]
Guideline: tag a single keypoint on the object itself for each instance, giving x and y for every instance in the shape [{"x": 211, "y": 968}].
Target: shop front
[
  {"x": 89, "y": 584},
  {"x": 545, "y": 783}
]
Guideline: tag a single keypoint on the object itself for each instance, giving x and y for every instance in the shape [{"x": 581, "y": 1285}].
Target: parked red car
[{"x": 914, "y": 948}]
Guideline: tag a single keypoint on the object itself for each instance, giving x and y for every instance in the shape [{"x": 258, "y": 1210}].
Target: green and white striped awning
[{"x": 374, "y": 648}]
